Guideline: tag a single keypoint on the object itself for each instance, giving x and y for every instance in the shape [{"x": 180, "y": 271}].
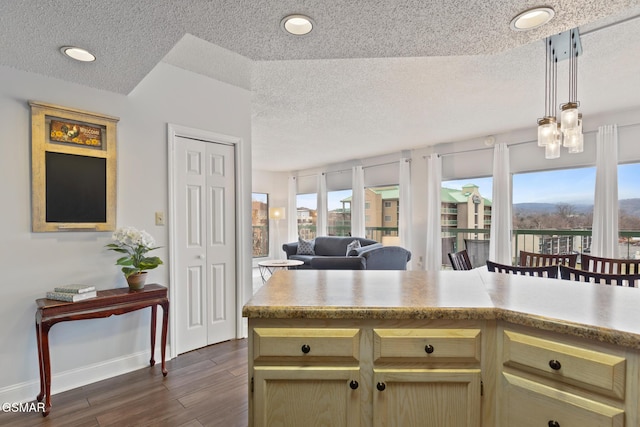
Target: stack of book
[{"x": 72, "y": 293}]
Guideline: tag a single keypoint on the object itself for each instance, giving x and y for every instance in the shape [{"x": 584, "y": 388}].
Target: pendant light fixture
[
  {"x": 548, "y": 126},
  {"x": 568, "y": 132},
  {"x": 571, "y": 124}
]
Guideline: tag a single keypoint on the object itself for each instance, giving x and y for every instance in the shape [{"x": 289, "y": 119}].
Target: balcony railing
[{"x": 549, "y": 241}]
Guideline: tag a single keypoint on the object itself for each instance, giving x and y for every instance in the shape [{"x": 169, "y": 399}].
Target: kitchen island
[{"x": 448, "y": 348}]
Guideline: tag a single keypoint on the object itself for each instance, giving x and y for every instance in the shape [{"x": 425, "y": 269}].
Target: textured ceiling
[{"x": 372, "y": 78}]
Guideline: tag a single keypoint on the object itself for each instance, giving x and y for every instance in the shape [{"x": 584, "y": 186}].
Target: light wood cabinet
[
  {"x": 319, "y": 374},
  {"x": 295, "y": 396},
  {"x": 426, "y": 397},
  {"x": 551, "y": 380},
  {"x": 431, "y": 376}
]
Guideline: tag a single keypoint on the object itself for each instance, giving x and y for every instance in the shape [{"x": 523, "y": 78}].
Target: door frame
[{"x": 243, "y": 228}]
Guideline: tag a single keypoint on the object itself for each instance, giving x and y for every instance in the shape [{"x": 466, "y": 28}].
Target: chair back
[
  {"x": 550, "y": 271},
  {"x": 627, "y": 280},
  {"x": 460, "y": 260},
  {"x": 609, "y": 265},
  {"x": 478, "y": 251},
  {"x": 530, "y": 259}
]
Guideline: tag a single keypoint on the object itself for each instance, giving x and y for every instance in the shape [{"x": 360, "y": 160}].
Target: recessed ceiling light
[
  {"x": 532, "y": 18},
  {"x": 78, "y": 54},
  {"x": 298, "y": 25}
]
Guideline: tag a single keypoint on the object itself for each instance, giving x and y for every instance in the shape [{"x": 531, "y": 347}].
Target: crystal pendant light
[
  {"x": 569, "y": 111},
  {"x": 547, "y": 128},
  {"x": 552, "y": 149},
  {"x": 577, "y": 138}
]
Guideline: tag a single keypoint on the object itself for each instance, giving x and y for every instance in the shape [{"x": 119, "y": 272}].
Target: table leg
[
  {"x": 154, "y": 311},
  {"x": 165, "y": 324},
  {"x": 46, "y": 363},
  {"x": 40, "y": 363}
]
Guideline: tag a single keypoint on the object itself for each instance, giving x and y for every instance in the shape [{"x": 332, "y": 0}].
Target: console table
[{"x": 107, "y": 303}]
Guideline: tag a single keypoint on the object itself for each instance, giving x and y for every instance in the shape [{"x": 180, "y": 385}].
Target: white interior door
[{"x": 205, "y": 252}]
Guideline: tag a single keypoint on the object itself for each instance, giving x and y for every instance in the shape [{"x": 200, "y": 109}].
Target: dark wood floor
[{"x": 206, "y": 387}]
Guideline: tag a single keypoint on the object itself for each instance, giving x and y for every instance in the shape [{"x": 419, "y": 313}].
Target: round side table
[{"x": 268, "y": 267}]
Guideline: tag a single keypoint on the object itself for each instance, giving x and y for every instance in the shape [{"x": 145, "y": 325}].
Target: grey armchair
[{"x": 386, "y": 258}]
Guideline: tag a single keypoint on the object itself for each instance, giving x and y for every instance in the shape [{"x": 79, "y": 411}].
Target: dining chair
[
  {"x": 531, "y": 259},
  {"x": 609, "y": 265},
  {"x": 478, "y": 251},
  {"x": 460, "y": 260},
  {"x": 578, "y": 275},
  {"x": 550, "y": 271}
]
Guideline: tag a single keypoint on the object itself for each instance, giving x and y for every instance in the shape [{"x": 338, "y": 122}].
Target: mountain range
[{"x": 630, "y": 206}]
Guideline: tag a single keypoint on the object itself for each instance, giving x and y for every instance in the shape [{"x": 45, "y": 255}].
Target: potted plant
[{"x": 135, "y": 244}]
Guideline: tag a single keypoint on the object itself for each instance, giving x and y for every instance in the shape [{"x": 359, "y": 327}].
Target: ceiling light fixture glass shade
[
  {"x": 574, "y": 139},
  {"x": 532, "y": 18},
  {"x": 78, "y": 54},
  {"x": 298, "y": 25},
  {"x": 552, "y": 149},
  {"x": 569, "y": 117},
  {"x": 547, "y": 128}
]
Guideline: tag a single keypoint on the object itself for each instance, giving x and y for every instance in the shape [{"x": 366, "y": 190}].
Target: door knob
[{"x": 202, "y": 256}]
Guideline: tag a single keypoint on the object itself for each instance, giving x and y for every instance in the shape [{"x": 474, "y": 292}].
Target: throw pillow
[
  {"x": 353, "y": 245},
  {"x": 306, "y": 247}
]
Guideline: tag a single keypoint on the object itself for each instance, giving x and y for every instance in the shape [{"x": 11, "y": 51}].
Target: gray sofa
[{"x": 330, "y": 253}]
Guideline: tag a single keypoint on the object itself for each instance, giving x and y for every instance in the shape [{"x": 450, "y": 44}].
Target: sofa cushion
[
  {"x": 305, "y": 247},
  {"x": 352, "y": 246}
]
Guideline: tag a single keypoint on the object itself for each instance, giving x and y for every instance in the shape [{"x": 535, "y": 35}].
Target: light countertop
[{"x": 600, "y": 312}]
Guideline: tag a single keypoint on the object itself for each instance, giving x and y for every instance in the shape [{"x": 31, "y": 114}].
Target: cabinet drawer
[
  {"x": 427, "y": 344},
  {"x": 530, "y": 404},
  {"x": 593, "y": 370},
  {"x": 306, "y": 343}
]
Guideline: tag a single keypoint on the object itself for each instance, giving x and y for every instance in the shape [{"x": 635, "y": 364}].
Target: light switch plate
[{"x": 159, "y": 218}]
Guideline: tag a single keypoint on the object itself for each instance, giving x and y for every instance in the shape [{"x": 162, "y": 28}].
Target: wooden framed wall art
[{"x": 73, "y": 169}]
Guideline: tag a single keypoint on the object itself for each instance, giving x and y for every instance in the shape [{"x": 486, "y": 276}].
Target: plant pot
[{"x": 136, "y": 281}]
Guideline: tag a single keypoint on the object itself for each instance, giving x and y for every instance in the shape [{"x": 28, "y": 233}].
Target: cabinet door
[
  {"x": 426, "y": 397},
  {"x": 307, "y": 396}
]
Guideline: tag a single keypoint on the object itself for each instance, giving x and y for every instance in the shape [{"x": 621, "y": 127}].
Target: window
[
  {"x": 465, "y": 213},
  {"x": 629, "y": 210},
  {"x": 553, "y": 200},
  {"x": 260, "y": 224},
  {"x": 339, "y": 215},
  {"x": 307, "y": 215},
  {"x": 382, "y": 214}
]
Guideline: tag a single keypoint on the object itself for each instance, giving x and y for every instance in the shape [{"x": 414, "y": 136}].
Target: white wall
[{"x": 33, "y": 263}]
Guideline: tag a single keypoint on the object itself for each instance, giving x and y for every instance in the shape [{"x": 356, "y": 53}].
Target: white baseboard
[{"x": 78, "y": 377}]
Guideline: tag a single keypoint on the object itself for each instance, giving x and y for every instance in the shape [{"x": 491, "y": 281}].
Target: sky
[{"x": 573, "y": 186}]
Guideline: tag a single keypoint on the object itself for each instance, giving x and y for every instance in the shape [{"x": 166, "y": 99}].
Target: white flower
[{"x": 132, "y": 237}]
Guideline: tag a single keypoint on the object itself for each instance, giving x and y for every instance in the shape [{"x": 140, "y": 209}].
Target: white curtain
[
  {"x": 323, "y": 211},
  {"x": 433, "y": 258},
  {"x": 292, "y": 214},
  {"x": 405, "y": 221},
  {"x": 501, "y": 217},
  {"x": 357, "y": 202},
  {"x": 605, "y": 209}
]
